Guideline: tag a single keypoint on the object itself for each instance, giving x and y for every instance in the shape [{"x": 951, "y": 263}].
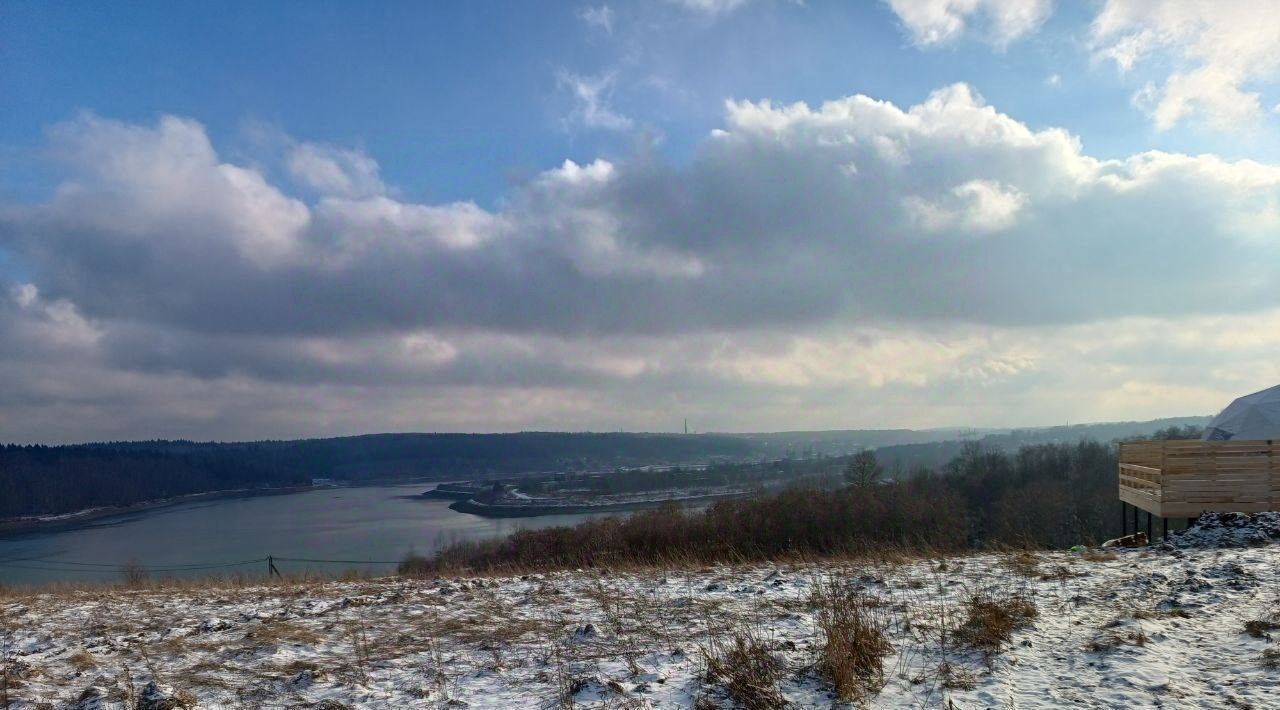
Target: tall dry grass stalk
[
  {"x": 740, "y": 662},
  {"x": 855, "y": 640}
]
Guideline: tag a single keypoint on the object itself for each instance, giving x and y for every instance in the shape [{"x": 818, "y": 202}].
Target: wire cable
[
  {"x": 47, "y": 565},
  {"x": 338, "y": 562},
  {"x": 44, "y": 565}
]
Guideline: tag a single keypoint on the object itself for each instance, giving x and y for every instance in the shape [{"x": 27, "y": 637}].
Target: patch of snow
[{"x": 1155, "y": 627}]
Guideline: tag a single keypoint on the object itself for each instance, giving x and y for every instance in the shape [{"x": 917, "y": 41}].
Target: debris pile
[{"x": 1213, "y": 530}]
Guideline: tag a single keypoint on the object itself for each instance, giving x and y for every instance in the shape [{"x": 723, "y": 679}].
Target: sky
[{"x": 296, "y": 219}]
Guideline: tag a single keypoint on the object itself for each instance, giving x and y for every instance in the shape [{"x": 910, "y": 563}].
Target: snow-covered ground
[{"x": 1157, "y": 627}]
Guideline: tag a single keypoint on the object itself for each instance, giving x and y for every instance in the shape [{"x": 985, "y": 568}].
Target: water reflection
[{"x": 371, "y": 523}]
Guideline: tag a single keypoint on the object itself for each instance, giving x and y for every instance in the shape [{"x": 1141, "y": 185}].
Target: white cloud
[
  {"x": 764, "y": 283},
  {"x": 592, "y": 98},
  {"x": 710, "y": 7},
  {"x": 351, "y": 228},
  {"x": 1216, "y": 52},
  {"x": 600, "y": 17},
  {"x": 132, "y": 181},
  {"x": 973, "y": 206},
  {"x": 335, "y": 171},
  {"x": 997, "y": 22}
]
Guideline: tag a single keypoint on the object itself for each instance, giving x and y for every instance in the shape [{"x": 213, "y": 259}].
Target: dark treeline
[
  {"x": 43, "y": 480},
  {"x": 1044, "y": 495},
  {"x": 752, "y": 474},
  {"x": 938, "y": 453}
]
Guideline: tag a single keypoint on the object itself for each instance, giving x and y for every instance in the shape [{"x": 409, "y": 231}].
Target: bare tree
[{"x": 864, "y": 469}]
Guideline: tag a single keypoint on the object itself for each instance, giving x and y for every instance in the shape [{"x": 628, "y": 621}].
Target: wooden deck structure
[{"x": 1183, "y": 478}]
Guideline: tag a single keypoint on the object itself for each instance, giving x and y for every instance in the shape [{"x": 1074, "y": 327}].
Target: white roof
[{"x": 1251, "y": 417}]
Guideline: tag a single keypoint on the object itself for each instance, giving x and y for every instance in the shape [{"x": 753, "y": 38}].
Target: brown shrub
[
  {"x": 1023, "y": 563},
  {"x": 133, "y": 575},
  {"x": 1260, "y": 627},
  {"x": 746, "y": 670},
  {"x": 855, "y": 642},
  {"x": 82, "y": 660},
  {"x": 955, "y": 677},
  {"x": 992, "y": 620},
  {"x": 796, "y": 522},
  {"x": 1271, "y": 658}
]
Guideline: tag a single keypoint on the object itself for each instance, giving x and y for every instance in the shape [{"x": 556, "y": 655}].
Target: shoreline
[
  {"x": 533, "y": 511},
  {"x": 14, "y": 527}
]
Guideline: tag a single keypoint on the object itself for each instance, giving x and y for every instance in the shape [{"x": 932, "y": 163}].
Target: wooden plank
[
  {"x": 1184, "y": 477},
  {"x": 1143, "y": 469}
]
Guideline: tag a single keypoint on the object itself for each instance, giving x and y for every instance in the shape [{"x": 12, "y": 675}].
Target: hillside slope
[{"x": 1140, "y": 628}]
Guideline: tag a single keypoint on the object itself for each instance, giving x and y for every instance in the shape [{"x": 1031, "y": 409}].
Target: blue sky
[
  {"x": 286, "y": 219},
  {"x": 458, "y": 99}
]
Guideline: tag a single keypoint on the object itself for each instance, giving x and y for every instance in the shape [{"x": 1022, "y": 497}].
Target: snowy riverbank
[{"x": 1140, "y": 628}]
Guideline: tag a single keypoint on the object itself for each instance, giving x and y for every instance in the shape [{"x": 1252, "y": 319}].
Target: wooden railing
[{"x": 1182, "y": 478}]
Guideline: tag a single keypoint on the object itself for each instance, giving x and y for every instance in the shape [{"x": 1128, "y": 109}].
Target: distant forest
[
  {"x": 49, "y": 480},
  {"x": 45, "y": 480},
  {"x": 1047, "y": 494}
]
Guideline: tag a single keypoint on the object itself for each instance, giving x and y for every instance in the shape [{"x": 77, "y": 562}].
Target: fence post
[{"x": 271, "y": 567}]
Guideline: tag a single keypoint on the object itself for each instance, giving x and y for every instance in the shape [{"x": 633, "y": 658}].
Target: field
[{"x": 1154, "y": 627}]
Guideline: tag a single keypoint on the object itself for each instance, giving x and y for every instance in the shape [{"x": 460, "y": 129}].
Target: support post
[
  {"x": 1149, "y": 516},
  {"x": 1165, "y": 523},
  {"x": 271, "y": 567},
  {"x": 1124, "y": 520},
  {"x": 1135, "y": 519}
]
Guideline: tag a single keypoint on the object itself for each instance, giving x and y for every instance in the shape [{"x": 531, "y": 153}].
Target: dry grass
[
  {"x": 272, "y": 633},
  {"x": 991, "y": 620},
  {"x": 296, "y": 584},
  {"x": 1170, "y": 613},
  {"x": 955, "y": 677},
  {"x": 855, "y": 641},
  {"x": 1114, "y": 639},
  {"x": 1023, "y": 563},
  {"x": 1271, "y": 658},
  {"x": 1262, "y": 626},
  {"x": 746, "y": 670},
  {"x": 82, "y": 660},
  {"x": 797, "y": 522}
]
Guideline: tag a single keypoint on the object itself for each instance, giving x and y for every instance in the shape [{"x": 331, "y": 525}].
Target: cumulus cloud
[
  {"x": 997, "y": 22},
  {"x": 804, "y": 214},
  {"x": 1216, "y": 49},
  {"x": 805, "y": 258},
  {"x": 133, "y": 182}
]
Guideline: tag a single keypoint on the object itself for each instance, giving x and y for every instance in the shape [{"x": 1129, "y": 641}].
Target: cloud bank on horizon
[{"x": 854, "y": 262}]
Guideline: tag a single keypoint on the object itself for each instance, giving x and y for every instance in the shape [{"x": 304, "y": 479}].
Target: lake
[{"x": 377, "y": 523}]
